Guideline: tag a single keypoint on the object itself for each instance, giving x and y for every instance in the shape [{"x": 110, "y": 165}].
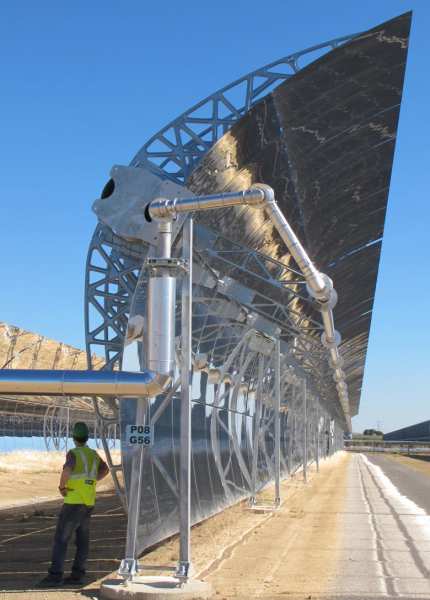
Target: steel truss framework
[
  {"x": 239, "y": 293},
  {"x": 180, "y": 145},
  {"x": 113, "y": 264}
]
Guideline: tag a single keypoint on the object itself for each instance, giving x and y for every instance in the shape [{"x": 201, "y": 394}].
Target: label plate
[{"x": 138, "y": 435}]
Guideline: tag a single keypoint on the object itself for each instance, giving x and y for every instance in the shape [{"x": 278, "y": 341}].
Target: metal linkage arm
[
  {"x": 82, "y": 383},
  {"x": 319, "y": 285}
]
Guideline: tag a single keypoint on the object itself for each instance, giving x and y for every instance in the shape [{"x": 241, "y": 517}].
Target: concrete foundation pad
[
  {"x": 262, "y": 508},
  {"x": 155, "y": 588}
]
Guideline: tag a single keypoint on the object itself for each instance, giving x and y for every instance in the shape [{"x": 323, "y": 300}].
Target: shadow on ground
[
  {"x": 424, "y": 457},
  {"x": 26, "y": 535}
]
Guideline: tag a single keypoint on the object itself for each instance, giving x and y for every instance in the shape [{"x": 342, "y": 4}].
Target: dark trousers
[{"x": 72, "y": 518}]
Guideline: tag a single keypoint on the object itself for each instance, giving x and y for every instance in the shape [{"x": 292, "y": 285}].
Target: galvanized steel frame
[{"x": 113, "y": 264}]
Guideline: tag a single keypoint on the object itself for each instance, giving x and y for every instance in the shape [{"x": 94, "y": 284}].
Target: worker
[{"x": 81, "y": 471}]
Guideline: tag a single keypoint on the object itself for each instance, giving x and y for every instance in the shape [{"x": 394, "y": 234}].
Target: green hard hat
[{"x": 80, "y": 430}]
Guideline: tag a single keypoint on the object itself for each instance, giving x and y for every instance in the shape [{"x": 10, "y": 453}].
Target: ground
[
  {"x": 344, "y": 534},
  {"x": 30, "y": 476}
]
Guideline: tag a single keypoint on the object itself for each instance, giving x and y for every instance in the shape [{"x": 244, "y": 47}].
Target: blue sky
[{"x": 84, "y": 85}]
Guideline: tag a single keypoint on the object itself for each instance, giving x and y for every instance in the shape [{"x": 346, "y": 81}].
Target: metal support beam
[
  {"x": 305, "y": 431},
  {"x": 277, "y": 411},
  {"x": 184, "y": 563},
  {"x": 317, "y": 433},
  {"x": 257, "y": 422},
  {"x": 129, "y": 566},
  {"x": 292, "y": 428}
]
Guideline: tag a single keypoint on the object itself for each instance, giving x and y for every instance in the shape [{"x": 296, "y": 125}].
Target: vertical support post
[
  {"x": 292, "y": 415},
  {"x": 290, "y": 438},
  {"x": 305, "y": 431},
  {"x": 129, "y": 566},
  {"x": 183, "y": 568},
  {"x": 277, "y": 422},
  {"x": 256, "y": 444},
  {"x": 160, "y": 337},
  {"x": 45, "y": 428},
  {"x": 317, "y": 429}
]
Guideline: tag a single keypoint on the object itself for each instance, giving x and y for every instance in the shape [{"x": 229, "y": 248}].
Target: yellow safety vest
[{"x": 81, "y": 486}]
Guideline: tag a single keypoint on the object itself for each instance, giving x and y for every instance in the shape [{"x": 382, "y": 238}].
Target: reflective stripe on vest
[{"x": 81, "y": 486}]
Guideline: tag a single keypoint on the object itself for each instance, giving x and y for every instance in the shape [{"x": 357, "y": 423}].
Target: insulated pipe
[
  {"x": 164, "y": 245},
  {"x": 328, "y": 322},
  {"x": 160, "y": 310},
  {"x": 319, "y": 285},
  {"x": 160, "y": 325},
  {"x": 81, "y": 383},
  {"x": 261, "y": 196},
  {"x": 163, "y": 208}
]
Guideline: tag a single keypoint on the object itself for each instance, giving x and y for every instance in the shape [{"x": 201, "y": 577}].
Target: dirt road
[
  {"x": 359, "y": 530},
  {"x": 292, "y": 553}
]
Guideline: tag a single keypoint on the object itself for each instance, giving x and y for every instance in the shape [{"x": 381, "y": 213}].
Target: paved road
[
  {"x": 411, "y": 483},
  {"x": 384, "y": 550}
]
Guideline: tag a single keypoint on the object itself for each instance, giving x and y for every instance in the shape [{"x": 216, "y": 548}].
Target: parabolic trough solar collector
[{"x": 324, "y": 140}]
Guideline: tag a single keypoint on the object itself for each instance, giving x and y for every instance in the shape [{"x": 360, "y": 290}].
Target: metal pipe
[
  {"x": 319, "y": 285},
  {"x": 315, "y": 280},
  {"x": 160, "y": 310},
  {"x": 261, "y": 196},
  {"x": 164, "y": 245},
  {"x": 81, "y": 383},
  {"x": 163, "y": 208},
  {"x": 160, "y": 325},
  {"x": 328, "y": 322}
]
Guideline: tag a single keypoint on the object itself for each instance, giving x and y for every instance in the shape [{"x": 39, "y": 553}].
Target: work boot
[{"x": 51, "y": 581}]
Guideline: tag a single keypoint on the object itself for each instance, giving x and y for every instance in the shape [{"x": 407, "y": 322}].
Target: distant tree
[{"x": 370, "y": 432}]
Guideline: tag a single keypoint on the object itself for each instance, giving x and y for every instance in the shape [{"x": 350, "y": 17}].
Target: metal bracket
[
  {"x": 183, "y": 570},
  {"x": 159, "y": 267},
  {"x": 128, "y": 568}
]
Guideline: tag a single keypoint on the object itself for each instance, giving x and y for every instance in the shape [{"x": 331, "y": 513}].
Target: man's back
[{"x": 86, "y": 468}]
